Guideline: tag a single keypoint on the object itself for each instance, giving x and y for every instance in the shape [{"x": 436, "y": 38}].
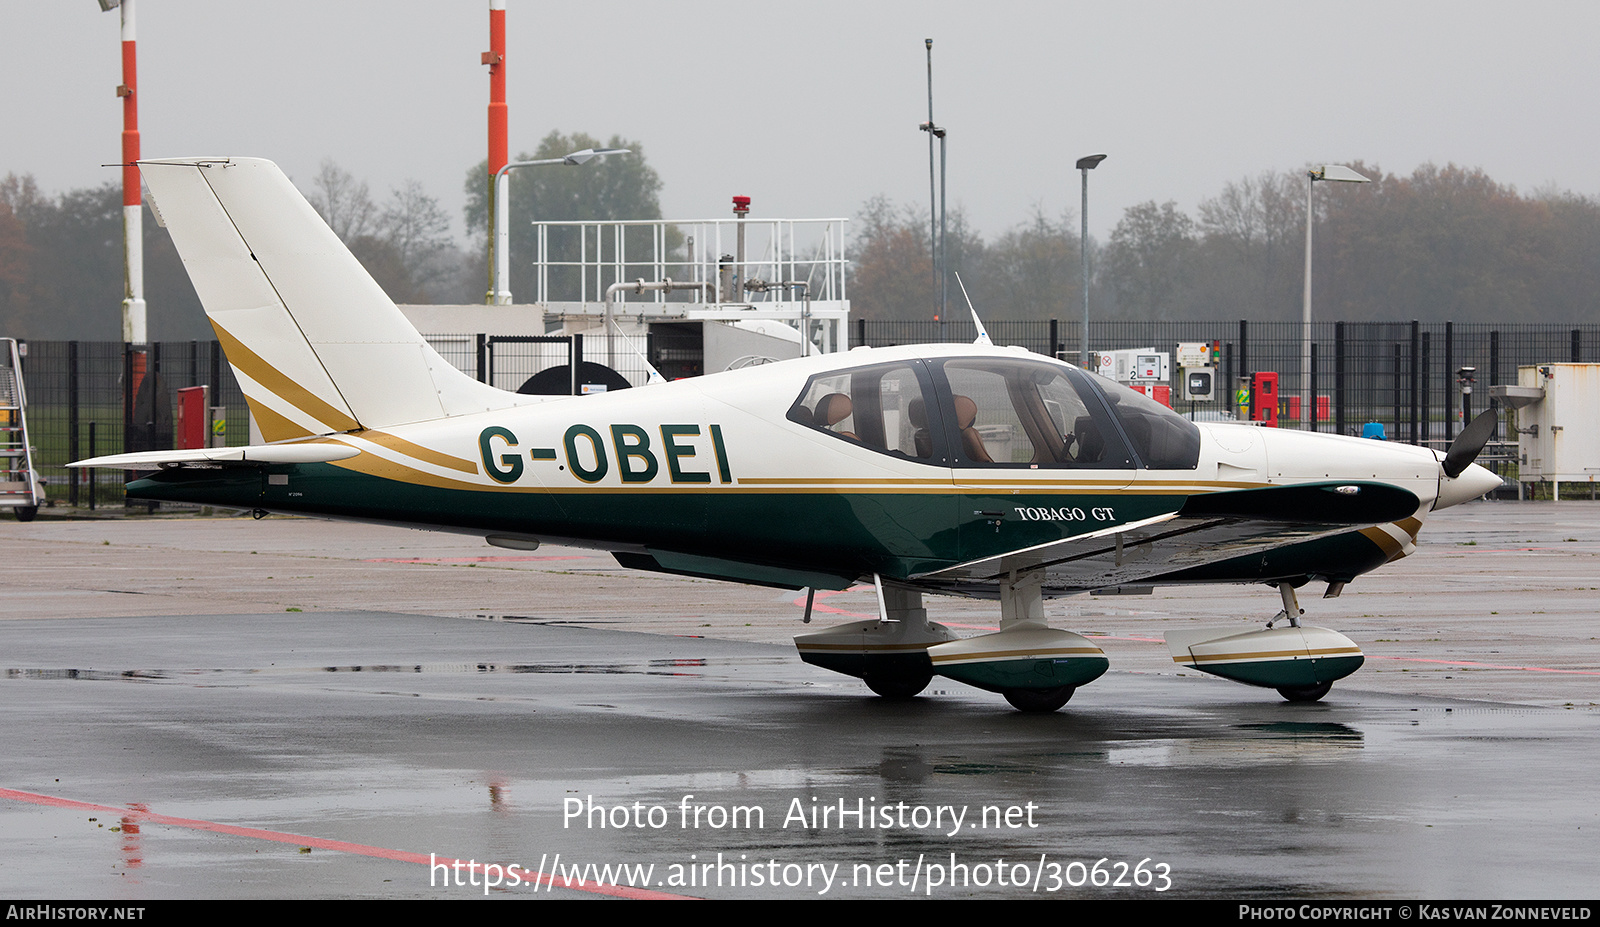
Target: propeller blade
[{"x": 1469, "y": 444}]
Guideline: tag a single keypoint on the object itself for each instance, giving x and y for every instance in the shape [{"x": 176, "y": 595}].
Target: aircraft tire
[
  {"x": 1039, "y": 701},
  {"x": 26, "y": 512},
  {"x": 1305, "y": 693},
  {"x": 897, "y": 686}
]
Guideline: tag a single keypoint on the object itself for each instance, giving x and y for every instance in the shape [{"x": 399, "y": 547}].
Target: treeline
[
  {"x": 61, "y": 267},
  {"x": 61, "y": 273},
  {"x": 1442, "y": 244}
]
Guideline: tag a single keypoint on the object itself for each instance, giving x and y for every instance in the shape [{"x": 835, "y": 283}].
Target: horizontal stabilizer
[{"x": 256, "y": 455}]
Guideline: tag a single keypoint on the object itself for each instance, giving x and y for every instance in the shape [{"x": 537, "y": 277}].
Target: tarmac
[{"x": 221, "y": 707}]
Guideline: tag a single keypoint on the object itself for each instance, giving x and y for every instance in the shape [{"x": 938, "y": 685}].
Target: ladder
[{"x": 20, "y": 488}]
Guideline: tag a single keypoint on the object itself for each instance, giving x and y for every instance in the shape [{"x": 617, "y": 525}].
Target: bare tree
[{"x": 343, "y": 202}]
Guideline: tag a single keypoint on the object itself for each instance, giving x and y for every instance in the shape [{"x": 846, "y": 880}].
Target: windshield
[{"x": 1162, "y": 438}]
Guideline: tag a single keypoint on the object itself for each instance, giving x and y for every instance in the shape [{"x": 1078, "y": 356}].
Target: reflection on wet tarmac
[{"x": 502, "y": 723}]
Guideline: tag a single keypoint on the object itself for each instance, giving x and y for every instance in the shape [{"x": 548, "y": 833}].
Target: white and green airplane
[{"x": 951, "y": 469}]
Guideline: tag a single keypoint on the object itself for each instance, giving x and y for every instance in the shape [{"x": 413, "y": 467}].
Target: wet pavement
[{"x": 290, "y": 708}]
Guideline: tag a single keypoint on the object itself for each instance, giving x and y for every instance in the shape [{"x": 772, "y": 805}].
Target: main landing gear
[
  {"x": 1300, "y": 661},
  {"x": 1035, "y": 667}
]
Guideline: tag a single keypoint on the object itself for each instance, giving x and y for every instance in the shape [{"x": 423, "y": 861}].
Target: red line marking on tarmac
[
  {"x": 818, "y": 606},
  {"x": 1474, "y": 663},
  {"x": 465, "y": 559},
  {"x": 341, "y": 846}
]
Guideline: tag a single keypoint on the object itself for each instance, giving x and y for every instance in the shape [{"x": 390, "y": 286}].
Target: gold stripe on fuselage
[
  {"x": 437, "y": 458},
  {"x": 1023, "y": 654},
  {"x": 1268, "y": 655}
]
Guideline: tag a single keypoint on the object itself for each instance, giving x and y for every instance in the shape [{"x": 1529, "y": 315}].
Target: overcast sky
[{"x": 810, "y": 108}]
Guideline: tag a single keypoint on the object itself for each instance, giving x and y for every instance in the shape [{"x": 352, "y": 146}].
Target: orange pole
[
  {"x": 130, "y": 125},
  {"x": 133, "y": 305},
  {"x": 496, "y": 59},
  {"x": 499, "y": 149}
]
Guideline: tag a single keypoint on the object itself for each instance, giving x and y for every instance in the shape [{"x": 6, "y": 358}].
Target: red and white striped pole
[
  {"x": 133, "y": 306},
  {"x": 499, "y": 152}
]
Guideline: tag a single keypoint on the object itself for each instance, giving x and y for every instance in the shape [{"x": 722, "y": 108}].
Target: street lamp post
[
  {"x": 1086, "y": 164},
  {"x": 500, "y": 295},
  {"x": 936, "y": 204},
  {"x": 1342, "y": 174}
]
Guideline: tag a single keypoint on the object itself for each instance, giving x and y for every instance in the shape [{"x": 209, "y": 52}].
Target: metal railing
[{"x": 577, "y": 261}]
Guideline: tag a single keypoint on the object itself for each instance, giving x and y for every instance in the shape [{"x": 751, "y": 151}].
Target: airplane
[{"x": 966, "y": 470}]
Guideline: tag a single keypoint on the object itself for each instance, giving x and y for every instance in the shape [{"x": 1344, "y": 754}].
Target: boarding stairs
[{"x": 20, "y": 488}]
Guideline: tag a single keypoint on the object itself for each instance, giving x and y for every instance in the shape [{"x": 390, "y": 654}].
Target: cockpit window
[
  {"x": 1163, "y": 439},
  {"x": 1022, "y": 413},
  {"x": 999, "y": 412},
  {"x": 880, "y": 407}
]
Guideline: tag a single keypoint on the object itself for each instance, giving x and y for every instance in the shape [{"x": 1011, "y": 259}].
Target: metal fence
[
  {"x": 78, "y": 407},
  {"x": 1400, "y": 374}
]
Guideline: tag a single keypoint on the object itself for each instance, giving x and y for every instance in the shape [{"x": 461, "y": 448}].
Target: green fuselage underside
[{"x": 844, "y": 534}]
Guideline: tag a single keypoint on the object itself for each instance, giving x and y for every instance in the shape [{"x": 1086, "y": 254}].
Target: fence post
[
  {"x": 1338, "y": 378},
  {"x": 1422, "y": 377},
  {"x": 72, "y": 418},
  {"x": 1449, "y": 382},
  {"x": 1244, "y": 348},
  {"x": 1229, "y": 386},
  {"x": 1311, "y": 413},
  {"x": 1494, "y": 377},
  {"x": 127, "y": 392},
  {"x": 93, "y": 479},
  {"x": 575, "y": 360},
  {"x": 1397, "y": 379},
  {"x": 1411, "y": 400},
  {"x": 1577, "y": 345}
]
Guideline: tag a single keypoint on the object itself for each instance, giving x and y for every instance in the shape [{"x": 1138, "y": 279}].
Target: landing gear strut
[{"x": 1036, "y": 667}]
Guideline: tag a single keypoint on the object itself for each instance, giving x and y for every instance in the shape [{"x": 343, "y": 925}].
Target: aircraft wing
[
  {"x": 256, "y": 455},
  {"x": 1208, "y": 529}
]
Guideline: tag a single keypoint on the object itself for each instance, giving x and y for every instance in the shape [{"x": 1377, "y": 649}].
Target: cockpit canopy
[{"x": 1002, "y": 412}]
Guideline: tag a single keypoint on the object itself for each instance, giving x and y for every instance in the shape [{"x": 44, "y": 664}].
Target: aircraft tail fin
[{"x": 315, "y": 343}]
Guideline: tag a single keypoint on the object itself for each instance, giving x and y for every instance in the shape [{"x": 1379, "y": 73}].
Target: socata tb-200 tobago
[{"x": 966, "y": 470}]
